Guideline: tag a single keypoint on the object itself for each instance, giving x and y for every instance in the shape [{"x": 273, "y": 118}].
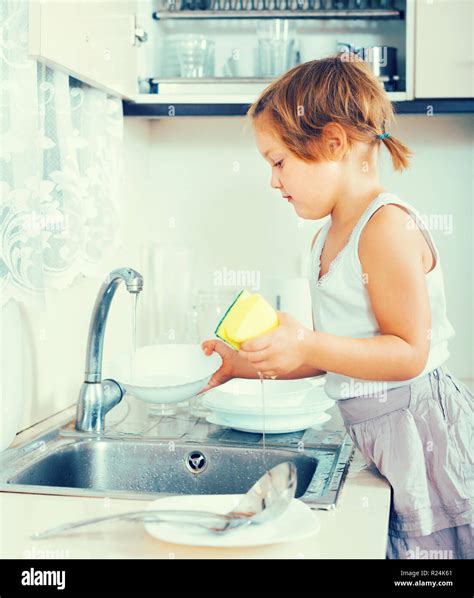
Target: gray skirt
[{"x": 419, "y": 437}]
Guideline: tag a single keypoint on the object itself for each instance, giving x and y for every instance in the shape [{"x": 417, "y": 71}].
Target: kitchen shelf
[
  {"x": 156, "y": 87},
  {"x": 436, "y": 106},
  {"x": 365, "y": 13},
  {"x": 153, "y": 110},
  {"x": 215, "y": 90}
]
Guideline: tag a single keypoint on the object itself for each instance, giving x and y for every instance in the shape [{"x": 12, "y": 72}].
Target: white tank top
[{"x": 341, "y": 304}]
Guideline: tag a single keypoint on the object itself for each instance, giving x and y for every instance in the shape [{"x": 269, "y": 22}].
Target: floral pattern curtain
[{"x": 60, "y": 163}]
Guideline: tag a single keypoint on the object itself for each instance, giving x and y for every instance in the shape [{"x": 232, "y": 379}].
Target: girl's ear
[{"x": 334, "y": 141}]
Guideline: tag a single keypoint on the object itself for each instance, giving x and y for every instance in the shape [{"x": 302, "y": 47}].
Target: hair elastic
[{"x": 383, "y": 135}]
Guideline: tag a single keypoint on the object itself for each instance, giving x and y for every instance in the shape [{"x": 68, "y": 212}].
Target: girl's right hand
[{"x": 228, "y": 368}]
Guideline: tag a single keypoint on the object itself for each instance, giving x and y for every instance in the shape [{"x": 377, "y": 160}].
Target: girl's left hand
[{"x": 279, "y": 351}]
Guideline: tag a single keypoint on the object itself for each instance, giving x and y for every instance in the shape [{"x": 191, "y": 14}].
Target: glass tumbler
[
  {"x": 276, "y": 46},
  {"x": 209, "y": 308},
  {"x": 196, "y": 56},
  {"x": 168, "y": 274}
]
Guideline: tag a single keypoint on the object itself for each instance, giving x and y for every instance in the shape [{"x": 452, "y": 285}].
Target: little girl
[{"x": 380, "y": 327}]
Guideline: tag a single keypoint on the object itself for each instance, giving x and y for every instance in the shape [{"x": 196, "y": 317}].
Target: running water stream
[
  {"x": 262, "y": 389},
  {"x": 133, "y": 348}
]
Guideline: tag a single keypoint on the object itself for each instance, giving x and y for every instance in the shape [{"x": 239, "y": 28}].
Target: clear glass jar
[{"x": 209, "y": 308}]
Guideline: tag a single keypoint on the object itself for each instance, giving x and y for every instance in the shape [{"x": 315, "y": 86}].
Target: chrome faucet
[{"x": 97, "y": 397}]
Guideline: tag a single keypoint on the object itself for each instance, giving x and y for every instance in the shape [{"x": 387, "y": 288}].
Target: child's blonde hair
[{"x": 341, "y": 89}]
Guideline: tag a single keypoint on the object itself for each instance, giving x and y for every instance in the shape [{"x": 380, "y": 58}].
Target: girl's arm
[{"x": 391, "y": 254}]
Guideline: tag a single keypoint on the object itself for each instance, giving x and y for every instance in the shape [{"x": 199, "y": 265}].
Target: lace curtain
[{"x": 60, "y": 162}]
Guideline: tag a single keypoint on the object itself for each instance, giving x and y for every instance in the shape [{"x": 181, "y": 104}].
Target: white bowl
[
  {"x": 164, "y": 373},
  {"x": 245, "y": 394},
  {"x": 281, "y": 392}
]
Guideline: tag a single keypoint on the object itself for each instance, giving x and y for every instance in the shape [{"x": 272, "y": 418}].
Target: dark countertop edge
[{"x": 428, "y": 107}]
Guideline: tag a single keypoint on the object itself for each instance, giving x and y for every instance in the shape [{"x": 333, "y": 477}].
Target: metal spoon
[{"x": 267, "y": 498}]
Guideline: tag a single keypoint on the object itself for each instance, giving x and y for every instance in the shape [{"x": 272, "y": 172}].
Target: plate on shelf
[
  {"x": 296, "y": 523},
  {"x": 256, "y": 427}
]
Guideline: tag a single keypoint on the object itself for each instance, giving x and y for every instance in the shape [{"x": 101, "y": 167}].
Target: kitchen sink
[
  {"x": 144, "y": 467},
  {"x": 176, "y": 455},
  {"x": 117, "y": 446}
]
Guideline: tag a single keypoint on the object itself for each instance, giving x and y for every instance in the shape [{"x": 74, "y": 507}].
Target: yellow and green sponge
[{"x": 248, "y": 316}]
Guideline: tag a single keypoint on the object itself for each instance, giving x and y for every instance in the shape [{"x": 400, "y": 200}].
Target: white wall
[
  {"x": 55, "y": 339},
  {"x": 201, "y": 181}
]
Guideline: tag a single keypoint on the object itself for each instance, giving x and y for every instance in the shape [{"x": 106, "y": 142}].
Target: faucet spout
[
  {"x": 134, "y": 283},
  {"x": 98, "y": 396}
]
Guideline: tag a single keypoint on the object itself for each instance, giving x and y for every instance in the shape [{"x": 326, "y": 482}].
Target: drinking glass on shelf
[
  {"x": 340, "y": 4},
  {"x": 276, "y": 41},
  {"x": 362, "y": 4},
  {"x": 196, "y": 56},
  {"x": 241, "y": 62},
  {"x": 384, "y": 4}
]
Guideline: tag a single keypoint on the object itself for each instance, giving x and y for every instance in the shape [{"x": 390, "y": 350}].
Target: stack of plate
[{"x": 287, "y": 405}]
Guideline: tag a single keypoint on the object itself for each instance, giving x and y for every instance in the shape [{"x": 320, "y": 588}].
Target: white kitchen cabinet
[
  {"x": 95, "y": 41},
  {"x": 444, "y": 56},
  {"x": 92, "y": 40}
]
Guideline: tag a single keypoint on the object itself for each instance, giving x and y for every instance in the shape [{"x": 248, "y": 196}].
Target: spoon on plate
[{"x": 270, "y": 496}]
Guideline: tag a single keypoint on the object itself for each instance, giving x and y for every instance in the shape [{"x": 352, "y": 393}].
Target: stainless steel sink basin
[
  {"x": 145, "y": 467},
  {"x": 169, "y": 455}
]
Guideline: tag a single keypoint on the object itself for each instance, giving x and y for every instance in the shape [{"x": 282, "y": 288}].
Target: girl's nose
[{"x": 274, "y": 181}]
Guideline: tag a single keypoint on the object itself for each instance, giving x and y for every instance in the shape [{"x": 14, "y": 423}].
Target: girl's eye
[{"x": 278, "y": 164}]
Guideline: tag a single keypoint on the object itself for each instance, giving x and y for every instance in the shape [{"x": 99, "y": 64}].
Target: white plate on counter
[
  {"x": 296, "y": 523},
  {"x": 255, "y": 424},
  {"x": 224, "y": 403}
]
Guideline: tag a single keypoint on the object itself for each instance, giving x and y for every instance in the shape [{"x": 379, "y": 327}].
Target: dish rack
[{"x": 270, "y": 9}]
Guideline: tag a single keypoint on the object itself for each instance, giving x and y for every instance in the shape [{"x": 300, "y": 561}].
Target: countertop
[{"x": 357, "y": 528}]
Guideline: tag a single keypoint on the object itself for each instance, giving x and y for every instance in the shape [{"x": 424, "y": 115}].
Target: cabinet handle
[{"x": 140, "y": 34}]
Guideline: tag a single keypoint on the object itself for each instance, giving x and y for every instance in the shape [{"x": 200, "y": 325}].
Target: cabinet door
[
  {"x": 444, "y": 61},
  {"x": 92, "y": 40}
]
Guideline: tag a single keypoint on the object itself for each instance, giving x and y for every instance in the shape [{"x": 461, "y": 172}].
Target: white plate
[
  {"x": 164, "y": 373},
  {"x": 316, "y": 380},
  {"x": 281, "y": 428},
  {"x": 281, "y": 392},
  {"x": 296, "y": 523},
  {"x": 226, "y": 403}
]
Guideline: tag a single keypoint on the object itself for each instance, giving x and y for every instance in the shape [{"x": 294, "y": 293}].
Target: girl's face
[{"x": 310, "y": 187}]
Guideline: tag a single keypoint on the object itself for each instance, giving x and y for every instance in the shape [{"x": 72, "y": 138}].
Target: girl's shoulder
[
  {"x": 388, "y": 217},
  {"x": 392, "y": 228}
]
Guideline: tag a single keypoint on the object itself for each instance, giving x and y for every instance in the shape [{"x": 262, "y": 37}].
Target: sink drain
[{"x": 196, "y": 462}]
